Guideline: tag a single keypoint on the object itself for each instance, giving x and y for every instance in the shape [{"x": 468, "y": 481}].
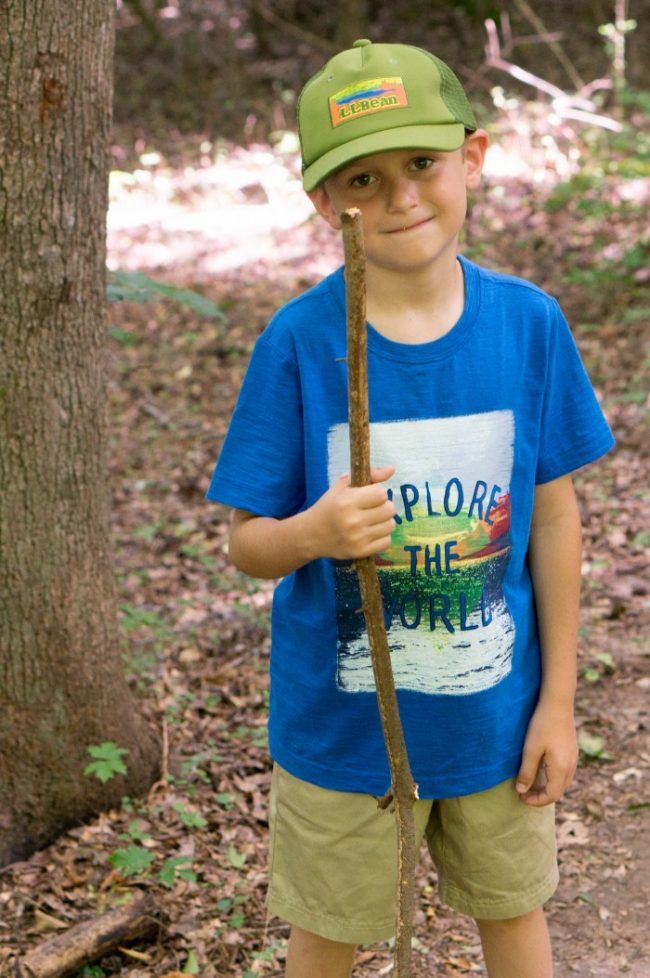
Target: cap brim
[{"x": 443, "y": 136}]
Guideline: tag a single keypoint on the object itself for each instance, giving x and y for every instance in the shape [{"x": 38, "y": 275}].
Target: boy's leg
[
  {"x": 496, "y": 860},
  {"x": 311, "y": 956},
  {"x": 517, "y": 948},
  {"x": 333, "y": 872}
]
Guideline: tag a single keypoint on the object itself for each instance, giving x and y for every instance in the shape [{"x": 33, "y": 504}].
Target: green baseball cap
[{"x": 377, "y": 97}]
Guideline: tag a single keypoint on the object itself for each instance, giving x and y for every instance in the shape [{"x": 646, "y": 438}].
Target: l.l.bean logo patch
[{"x": 366, "y": 97}]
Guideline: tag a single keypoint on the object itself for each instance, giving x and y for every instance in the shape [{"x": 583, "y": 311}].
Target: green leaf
[
  {"x": 237, "y": 920},
  {"x": 591, "y": 675},
  {"x": 268, "y": 954},
  {"x": 108, "y": 761},
  {"x": 192, "y": 819},
  {"x": 148, "y": 531},
  {"x": 177, "y": 867},
  {"x": 135, "y": 832},
  {"x": 236, "y": 859},
  {"x": 224, "y": 798},
  {"x": 136, "y": 287},
  {"x": 606, "y": 660},
  {"x": 191, "y": 966},
  {"x": 641, "y": 806},
  {"x": 123, "y": 336},
  {"x": 132, "y": 860},
  {"x": 591, "y": 746}
]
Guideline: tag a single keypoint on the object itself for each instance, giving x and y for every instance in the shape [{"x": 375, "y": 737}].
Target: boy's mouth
[{"x": 409, "y": 227}]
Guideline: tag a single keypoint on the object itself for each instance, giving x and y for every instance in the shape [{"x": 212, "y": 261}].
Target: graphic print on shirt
[{"x": 449, "y": 628}]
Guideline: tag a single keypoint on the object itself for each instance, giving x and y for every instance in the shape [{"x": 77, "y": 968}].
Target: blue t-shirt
[{"x": 472, "y": 421}]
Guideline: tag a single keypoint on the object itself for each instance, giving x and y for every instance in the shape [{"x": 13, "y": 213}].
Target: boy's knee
[
  {"x": 509, "y": 924},
  {"x": 313, "y": 956}
]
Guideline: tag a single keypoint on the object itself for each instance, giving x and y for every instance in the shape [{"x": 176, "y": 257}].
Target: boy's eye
[
  {"x": 422, "y": 162},
  {"x": 362, "y": 180}
]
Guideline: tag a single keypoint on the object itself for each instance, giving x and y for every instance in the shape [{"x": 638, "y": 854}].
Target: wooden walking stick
[{"x": 403, "y": 790}]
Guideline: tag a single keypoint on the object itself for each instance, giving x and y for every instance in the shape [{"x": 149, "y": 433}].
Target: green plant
[
  {"x": 136, "y": 287},
  {"x": 134, "y": 617},
  {"x": 135, "y": 833},
  {"x": 614, "y": 34},
  {"x": 175, "y": 868},
  {"x": 192, "y": 768},
  {"x": 131, "y": 861},
  {"x": 230, "y": 906},
  {"x": 148, "y": 531},
  {"x": 258, "y": 735},
  {"x": 602, "y": 665},
  {"x": 224, "y": 798},
  {"x": 199, "y": 553},
  {"x": 193, "y": 820},
  {"x": 591, "y": 747},
  {"x": 191, "y": 966},
  {"x": 108, "y": 761},
  {"x": 236, "y": 859},
  {"x": 123, "y": 336}
]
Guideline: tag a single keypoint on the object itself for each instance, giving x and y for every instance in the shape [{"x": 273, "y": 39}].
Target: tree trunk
[{"x": 62, "y": 686}]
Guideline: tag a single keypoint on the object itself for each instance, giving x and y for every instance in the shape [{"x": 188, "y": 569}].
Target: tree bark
[
  {"x": 403, "y": 791},
  {"x": 62, "y": 686}
]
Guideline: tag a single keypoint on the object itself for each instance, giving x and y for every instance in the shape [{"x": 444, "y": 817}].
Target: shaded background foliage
[{"x": 232, "y": 69}]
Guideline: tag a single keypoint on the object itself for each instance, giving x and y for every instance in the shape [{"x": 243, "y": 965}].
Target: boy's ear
[
  {"x": 474, "y": 150},
  {"x": 321, "y": 201}
]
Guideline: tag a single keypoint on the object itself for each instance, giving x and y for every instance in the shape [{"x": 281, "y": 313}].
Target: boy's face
[{"x": 413, "y": 202}]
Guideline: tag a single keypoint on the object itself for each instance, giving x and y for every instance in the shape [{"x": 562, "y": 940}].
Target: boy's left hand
[{"x": 550, "y": 755}]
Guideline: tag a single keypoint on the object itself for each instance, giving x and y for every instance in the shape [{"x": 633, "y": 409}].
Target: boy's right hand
[{"x": 349, "y": 522}]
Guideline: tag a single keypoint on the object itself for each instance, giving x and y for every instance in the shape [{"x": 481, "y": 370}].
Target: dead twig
[
  {"x": 557, "y": 49},
  {"x": 403, "y": 791},
  {"x": 292, "y": 30},
  {"x": 564, "y": 104}
]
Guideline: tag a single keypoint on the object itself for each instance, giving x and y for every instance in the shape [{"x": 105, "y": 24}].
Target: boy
[{"x": 480, "y": 409}]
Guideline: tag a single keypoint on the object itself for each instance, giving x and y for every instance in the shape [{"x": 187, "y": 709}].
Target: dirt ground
[{"x": 231, "y": 221}]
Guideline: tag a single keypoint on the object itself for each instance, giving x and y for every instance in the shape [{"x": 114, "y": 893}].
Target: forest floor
[{"x": 565, "y": 206}]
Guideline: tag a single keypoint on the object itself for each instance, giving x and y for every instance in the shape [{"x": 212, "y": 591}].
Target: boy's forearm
[
  {"x": 261, "y": 546},
  {"x": 555, "y": 561},
  {"x": 345, "y": 523}
]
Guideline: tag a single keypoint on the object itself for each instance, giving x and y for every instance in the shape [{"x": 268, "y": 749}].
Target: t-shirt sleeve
[
  {"x": 574, "y": 430},
  {"x": 261, "y": 464}
]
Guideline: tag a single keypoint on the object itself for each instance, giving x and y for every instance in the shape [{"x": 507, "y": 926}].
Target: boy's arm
[
  {"x": 344, "y": 523},
  {"x": 550, "y": 751}
]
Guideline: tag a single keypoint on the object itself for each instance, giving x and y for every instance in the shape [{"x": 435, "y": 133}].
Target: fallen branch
[
  {"x": 293, "y": 30},
  {"x": 403, "y": 790},
  {"x": 566, "y": 106},
  {"x": 90, "y": 940},
  {"x": 556, "y": 48}
]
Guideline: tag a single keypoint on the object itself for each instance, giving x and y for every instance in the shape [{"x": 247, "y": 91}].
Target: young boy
[{"x": 480, "y": 410}]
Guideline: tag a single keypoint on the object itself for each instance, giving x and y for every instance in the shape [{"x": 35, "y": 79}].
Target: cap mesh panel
[{"x": 452, "y": 94}]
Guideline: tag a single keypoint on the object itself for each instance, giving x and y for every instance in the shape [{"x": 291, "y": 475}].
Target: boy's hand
[
  {"x": 550, "y": 755},
  {"x": 350, "y": 523}
]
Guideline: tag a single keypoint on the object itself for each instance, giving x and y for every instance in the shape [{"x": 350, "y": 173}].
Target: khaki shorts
[{"x": 333, "y": 858}]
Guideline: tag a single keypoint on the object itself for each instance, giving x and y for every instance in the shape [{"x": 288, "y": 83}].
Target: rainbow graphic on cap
[{"x": 366, "y": 97}]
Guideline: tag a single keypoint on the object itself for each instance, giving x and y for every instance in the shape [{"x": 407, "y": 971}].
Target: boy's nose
[{"x": 402, "y": 194}]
